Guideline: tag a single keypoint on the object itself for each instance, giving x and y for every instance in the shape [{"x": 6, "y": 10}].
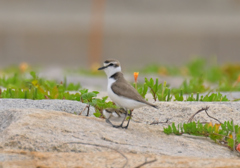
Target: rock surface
[
  {"x": 57, "y": 105},
  {"x": 38, "y": 138},
  {"x": 23, "y": 159},
  {"x": 180, "y": 112}
]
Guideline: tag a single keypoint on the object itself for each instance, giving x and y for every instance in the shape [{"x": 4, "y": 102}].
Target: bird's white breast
[{"x": 120, "y": 100}]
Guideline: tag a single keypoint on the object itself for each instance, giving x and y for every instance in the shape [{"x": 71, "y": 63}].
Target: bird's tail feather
[{"x": 153, "y": 105}]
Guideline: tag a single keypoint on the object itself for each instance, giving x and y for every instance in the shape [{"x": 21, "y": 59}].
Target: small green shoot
[
  {"x": 179, "y": 97},
  {"x": 219, "y": 133}
]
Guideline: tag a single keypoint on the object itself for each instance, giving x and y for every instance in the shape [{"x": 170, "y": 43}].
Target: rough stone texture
[
  {"x": 57, "y": 105},
  {"x": 180, "y": 112},
  {"x": 37, "y": 137},
  {"x": 108, "y": 159}
]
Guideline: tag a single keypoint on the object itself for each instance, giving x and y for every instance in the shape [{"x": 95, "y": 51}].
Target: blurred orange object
[
  {"x": 135, "y": 74},
  {"x": 210, "y": 124},
  {"x": 217, "y": 127},
  {"x": 94, "y": 67},
  {"x": 163, "y": 71},
  {"x": 23, "y": 67},
  {"x": 238, "y": 79}
]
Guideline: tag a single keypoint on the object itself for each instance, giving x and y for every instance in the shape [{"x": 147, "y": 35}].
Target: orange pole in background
[{"x": 96, "y": 32}]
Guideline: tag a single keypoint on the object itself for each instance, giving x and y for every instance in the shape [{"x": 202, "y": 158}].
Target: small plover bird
[{"x": 120, "y": 91}]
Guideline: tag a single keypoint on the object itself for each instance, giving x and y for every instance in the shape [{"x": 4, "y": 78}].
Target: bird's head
[{"x": 111, "y": 67}]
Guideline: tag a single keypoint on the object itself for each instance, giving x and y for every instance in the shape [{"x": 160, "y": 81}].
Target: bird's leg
[
  {"x": 115, "y": 126},
  {"x": 130, "y": 115},
  {"x": 117, "y": 113},
  {"x": 123, "y": 111}
]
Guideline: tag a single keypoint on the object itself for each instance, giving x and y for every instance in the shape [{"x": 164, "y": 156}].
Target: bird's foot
[
  {"x": 125, "y": 127},
  {"x": 115, "y": 126}
]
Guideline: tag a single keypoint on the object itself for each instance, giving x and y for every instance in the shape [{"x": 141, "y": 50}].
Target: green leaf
[
  {"x": 97, "y": 114},
  {"x": 167, "y": 130},
  {"x": 72, "y": 86},
  {"x": 197, "y": 98},
  {"x": 230, "y": 126},
  {"x": 168, "y": 96},
  {"x": 82, "y": 91},
  {"x": 156, "y": 86},
  {"x": 151, "y": 82},
  {"x": 96, "y": 92},
  {"x": 174, "y": 129},
  {"x": 178, "y": 97},
  {"x": 145, "y": 89},
  {"x": 147, "y": 82},
  {"x": 238, "y": 138},
  {"x": 104, "y": 98},
  {"x": 191, "y": 98},
  {"x": 230, "y": 143},
  {"x": 33, "y": 74},
  {"x": 61, "y": 89},
  {"x": 88, "y": 96}
]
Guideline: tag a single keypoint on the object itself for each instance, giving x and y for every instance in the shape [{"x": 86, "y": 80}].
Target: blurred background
[{"x": 81, "y": 33}]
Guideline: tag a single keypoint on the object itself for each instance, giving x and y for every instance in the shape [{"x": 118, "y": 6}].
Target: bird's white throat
[{"x": 112, "y": 70}]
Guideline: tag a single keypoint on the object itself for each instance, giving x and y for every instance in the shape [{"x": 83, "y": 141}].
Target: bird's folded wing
[{"x": 126, "y": 90}]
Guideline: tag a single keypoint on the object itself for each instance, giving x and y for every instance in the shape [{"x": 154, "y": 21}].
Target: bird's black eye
[{"x": 110, "y": 64}]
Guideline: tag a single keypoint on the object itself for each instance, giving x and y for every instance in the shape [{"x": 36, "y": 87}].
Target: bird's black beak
[{"x": 102, "y": 68}]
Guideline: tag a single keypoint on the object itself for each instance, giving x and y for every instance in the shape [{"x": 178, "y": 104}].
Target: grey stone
[
  {"x": 180, "y": 112},
  {"x": 57, "y": 105},
  {"x": 43, "y": 136}
]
